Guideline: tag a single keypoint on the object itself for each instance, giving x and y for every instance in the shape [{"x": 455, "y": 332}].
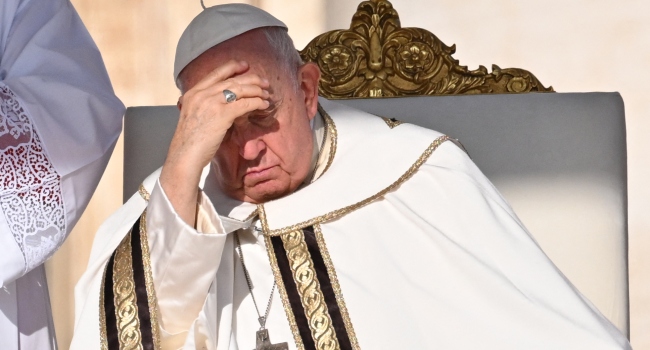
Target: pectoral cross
[{"x": 264, "y": 342}]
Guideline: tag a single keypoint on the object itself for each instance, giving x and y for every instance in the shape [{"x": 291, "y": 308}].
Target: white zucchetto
[{"x": 215, "y": 25}]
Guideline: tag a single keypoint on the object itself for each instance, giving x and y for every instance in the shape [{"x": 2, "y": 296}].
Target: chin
[
  {"x": 263, "y": 197},
  {"x": 266, "y": 191}
]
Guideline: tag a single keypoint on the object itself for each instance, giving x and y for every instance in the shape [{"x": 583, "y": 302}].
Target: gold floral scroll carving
[{"x": 376, "y": 57}]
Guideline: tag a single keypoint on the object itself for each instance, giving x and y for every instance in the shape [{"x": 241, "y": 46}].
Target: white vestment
[
  {"x": 401, "y": 243},
  {"x": 59, "y": 121}
]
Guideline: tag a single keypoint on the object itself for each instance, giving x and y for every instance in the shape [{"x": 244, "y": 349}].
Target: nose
[
  {"x": 250, "y": 145},
  {"x": 251, "y": 149}
]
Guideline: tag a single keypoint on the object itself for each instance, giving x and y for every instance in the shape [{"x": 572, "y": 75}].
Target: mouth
[{"x": 258, "y": 175}]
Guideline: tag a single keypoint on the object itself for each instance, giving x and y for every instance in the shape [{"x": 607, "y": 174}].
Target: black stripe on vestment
[
  {"x": 292, "y": 293},
  {"x": 326, "y": 288},
  {"x": 142, "y": 302},
  {"x": 325, "y": 285},
  {"x": 141, "y": 288},
  {"x": 109, "y": 307}
]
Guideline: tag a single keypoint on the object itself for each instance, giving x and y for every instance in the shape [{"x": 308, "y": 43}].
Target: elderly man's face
[{"x": 265, "y": 154}]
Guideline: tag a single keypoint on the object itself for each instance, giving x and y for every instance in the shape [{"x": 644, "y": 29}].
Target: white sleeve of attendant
[
  {"x": 184, "y": 260},
  {"x": 59, "y": 121}
]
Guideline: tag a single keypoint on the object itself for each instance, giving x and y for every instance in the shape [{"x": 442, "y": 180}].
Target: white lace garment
[{"x": 30, "y": 188}]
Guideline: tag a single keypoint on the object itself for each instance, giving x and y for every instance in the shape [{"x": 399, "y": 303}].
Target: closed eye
[{"x": 261, "y": 119}]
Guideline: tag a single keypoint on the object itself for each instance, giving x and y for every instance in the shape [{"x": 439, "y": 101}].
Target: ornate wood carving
[{"x": 376, "y": 57}]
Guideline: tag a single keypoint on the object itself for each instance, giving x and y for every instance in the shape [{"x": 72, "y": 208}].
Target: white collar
[{"x": 370, "y": 157}]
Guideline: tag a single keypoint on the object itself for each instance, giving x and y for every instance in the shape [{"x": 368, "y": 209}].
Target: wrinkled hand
[{"x": 205, "y": 118}]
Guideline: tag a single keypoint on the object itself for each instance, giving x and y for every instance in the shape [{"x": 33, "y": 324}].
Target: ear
[{"x": 308, "y": 76}]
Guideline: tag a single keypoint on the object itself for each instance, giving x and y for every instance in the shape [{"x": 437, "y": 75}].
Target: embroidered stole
[
  {"x": 128, "y": 305},
  {"x": 310, "y": 290}
]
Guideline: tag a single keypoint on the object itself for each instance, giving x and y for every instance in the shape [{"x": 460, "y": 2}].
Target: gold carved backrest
[{"x": 376, "y": 57}]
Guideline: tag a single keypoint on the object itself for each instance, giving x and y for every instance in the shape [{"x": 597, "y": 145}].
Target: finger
[
  {"x": 235, "y": 84},
  {"x": 245, "y": 91},
  {"x": 221, "y": 73},
  {"x": 251, "y": 85},
  {"x": 248, "y": 78},
  {"x": 246, "y": 105},
  {"x": 228, "y": 113},
  {"x": 253, "y": 88}
]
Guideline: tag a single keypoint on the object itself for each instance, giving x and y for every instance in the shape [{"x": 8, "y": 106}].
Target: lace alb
[{"x": 30, "y": 189}]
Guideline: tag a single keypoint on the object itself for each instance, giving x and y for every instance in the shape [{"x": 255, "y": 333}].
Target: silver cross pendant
[{"x": 263, "y": 342}]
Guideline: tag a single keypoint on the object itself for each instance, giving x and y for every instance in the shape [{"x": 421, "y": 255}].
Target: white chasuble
[{"x": 400, "y": 243}]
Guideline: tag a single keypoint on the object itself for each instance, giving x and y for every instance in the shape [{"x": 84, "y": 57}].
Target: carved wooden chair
[{"x": 559, "y": 158}]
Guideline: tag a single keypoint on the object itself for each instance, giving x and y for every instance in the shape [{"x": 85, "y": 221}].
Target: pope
[{"x": 281, "y": 220}]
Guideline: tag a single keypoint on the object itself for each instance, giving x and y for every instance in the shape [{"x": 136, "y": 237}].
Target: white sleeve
[
  {"x": 59, "y": 121},
  {"x": 184, "y": 260}
]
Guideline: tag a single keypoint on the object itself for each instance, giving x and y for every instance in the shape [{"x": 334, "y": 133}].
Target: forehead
[{"x": 252, "y": 47}]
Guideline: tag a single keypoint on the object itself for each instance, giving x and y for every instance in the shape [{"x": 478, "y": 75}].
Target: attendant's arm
[
  {"x": 59, "y": 121},
  {"x": 31, "y": 201}
]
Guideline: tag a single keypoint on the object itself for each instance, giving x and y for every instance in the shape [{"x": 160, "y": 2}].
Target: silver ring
[{"x": 230, "y": 96}]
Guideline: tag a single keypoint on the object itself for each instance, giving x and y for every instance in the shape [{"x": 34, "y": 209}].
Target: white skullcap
[{"x": 215, "y": 25}]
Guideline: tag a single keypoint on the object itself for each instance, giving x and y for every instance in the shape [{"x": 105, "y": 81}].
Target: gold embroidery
[
  {"x": 283, "y": 294},
  {"x": 311, "y": 295},
  {"x": 143, "y": 192},
  {"x": 251, "y": 215},
  {"x": 336, "y": 287},
  {"x": 392, "y": 122},
  {"x": 377, "y": 57},
  {"x": 331, "y": 131},
  {"x": 343, "y": 211},
  {"x": 103, "y": 339},
  {"x": 148, "y": 277},
  {"x": 126, "y": 308}
]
